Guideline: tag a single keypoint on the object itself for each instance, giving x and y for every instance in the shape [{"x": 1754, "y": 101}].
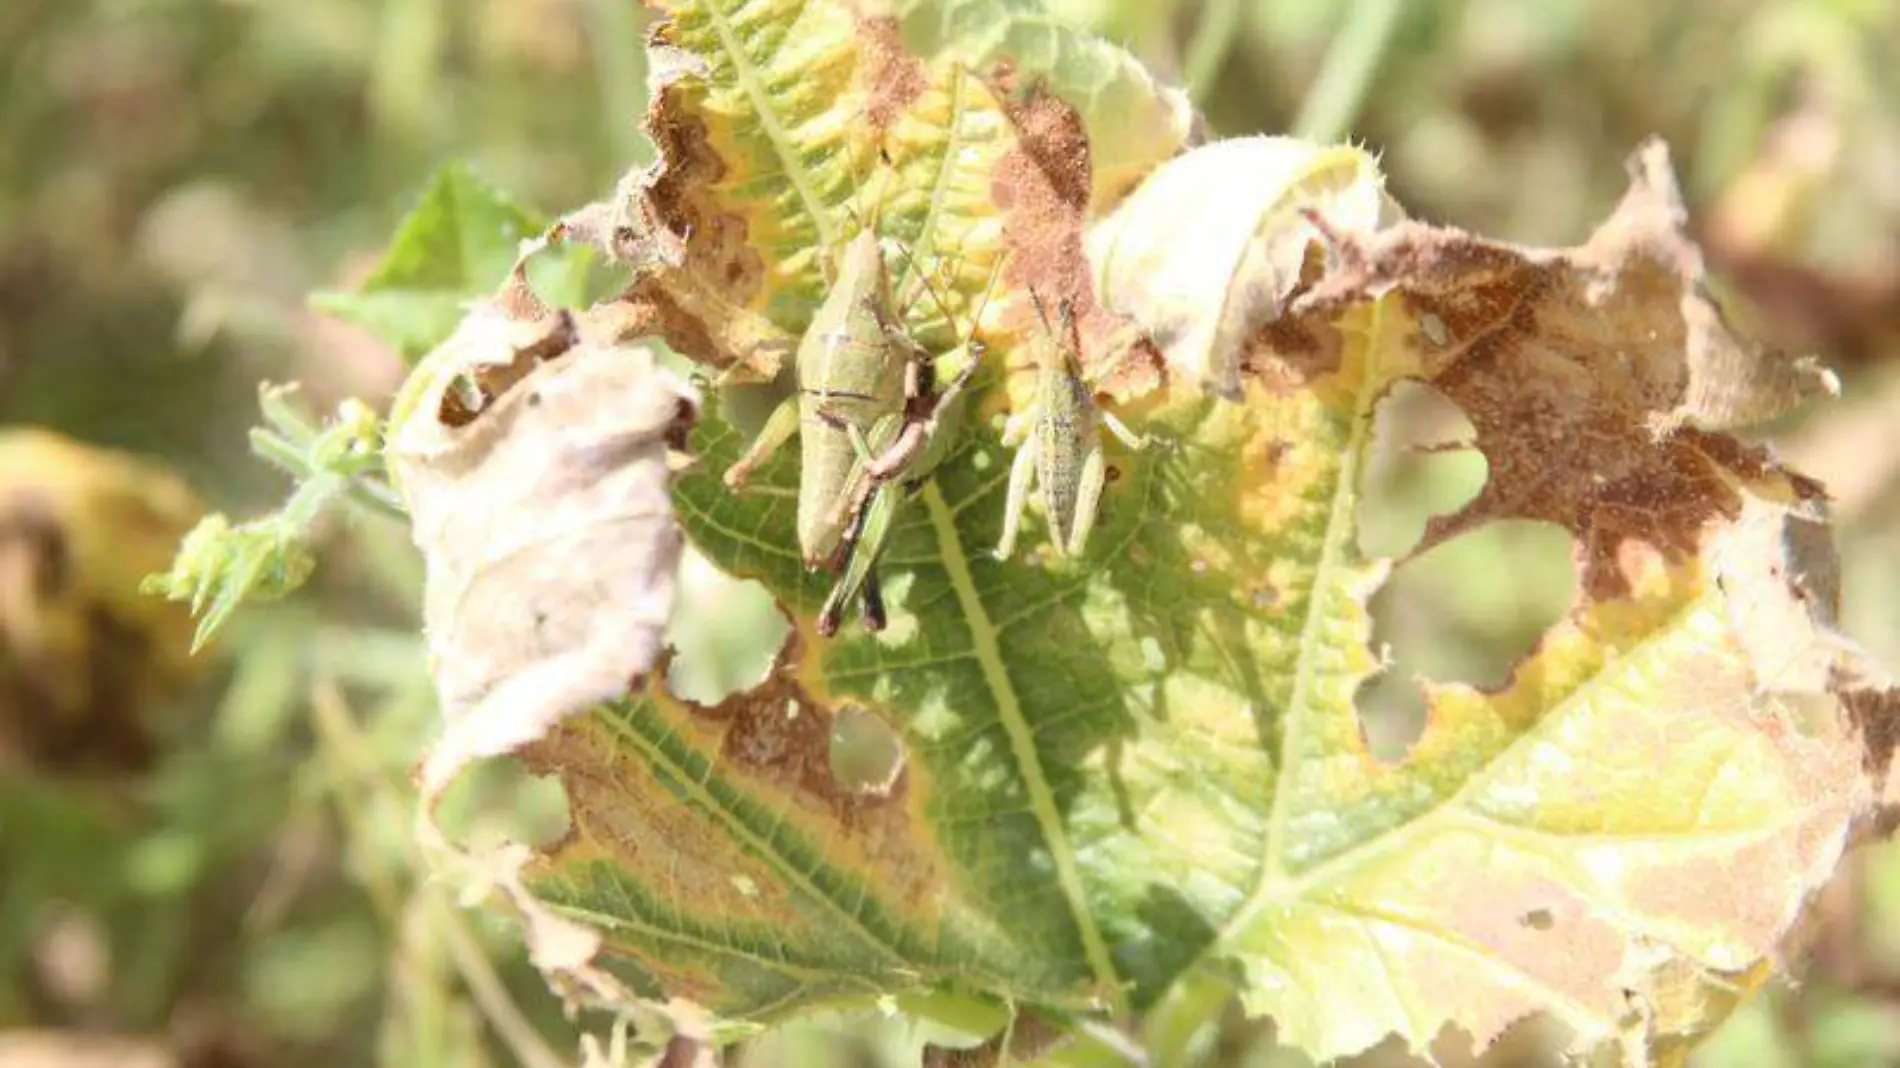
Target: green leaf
[
  {"x": 220, "y": 566},
  {"x": 1134, "y": 785},
  {"x": 461, "y": 239}
]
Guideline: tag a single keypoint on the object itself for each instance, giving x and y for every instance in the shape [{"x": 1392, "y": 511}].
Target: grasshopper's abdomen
[{"x": 1066, "y": 431}]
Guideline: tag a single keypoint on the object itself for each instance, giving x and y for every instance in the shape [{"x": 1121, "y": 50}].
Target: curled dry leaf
[
  {"x": 535, "y": 468},
  {"x": 1209, "y": 248}
]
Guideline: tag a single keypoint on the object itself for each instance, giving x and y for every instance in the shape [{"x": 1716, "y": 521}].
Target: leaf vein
[{"x": 1028, "y": 759}]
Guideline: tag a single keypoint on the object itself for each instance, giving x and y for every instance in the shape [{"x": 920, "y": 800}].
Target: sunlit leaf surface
[{"x": 1138, "y": 780}]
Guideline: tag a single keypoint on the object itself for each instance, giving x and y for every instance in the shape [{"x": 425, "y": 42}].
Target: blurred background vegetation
[{"x": 208, "y": 862}]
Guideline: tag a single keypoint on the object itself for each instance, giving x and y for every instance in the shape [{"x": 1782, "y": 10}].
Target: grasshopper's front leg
[{"x": 779, "y": 428}]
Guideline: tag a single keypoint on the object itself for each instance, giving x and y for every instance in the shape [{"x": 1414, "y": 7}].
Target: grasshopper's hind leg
[
  {"x": 865, "y": 545},
  {"x": 1088, "y": 496},
  {"x": 1020, "y": 475},
  {"x": 917, "y": 433}
]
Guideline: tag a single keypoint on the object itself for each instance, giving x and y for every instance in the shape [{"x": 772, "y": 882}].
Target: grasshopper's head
[
  {"x": 860, "y": 267},
  {"x": 1058, "y": 345}
]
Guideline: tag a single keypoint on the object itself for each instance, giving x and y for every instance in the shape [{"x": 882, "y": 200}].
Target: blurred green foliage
[{"x": 180, "y": 174}]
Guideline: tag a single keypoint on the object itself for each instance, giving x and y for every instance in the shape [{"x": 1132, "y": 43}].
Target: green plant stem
[
  {"x": 1345, "y": 76},
  {"x": 1207, "y": 53},
  {"x": 318, "y": 489},
  {"x": 336, "y": 726}
]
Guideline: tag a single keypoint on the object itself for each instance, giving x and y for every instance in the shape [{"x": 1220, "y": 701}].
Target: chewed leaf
[
  {"x": 1129, "y": 777},
  {"x": 460, "y": 239},
  {"x": 763, "y": 111},
  {"x": 1133, "y": 782},
  {"x": 1532, "y": 853},
  {"x": 1134, "y": 121},
  {"x": 1210, "y": 247},
  {"x": 544, "y": 522},
  {"x": 925, "y": 123}
]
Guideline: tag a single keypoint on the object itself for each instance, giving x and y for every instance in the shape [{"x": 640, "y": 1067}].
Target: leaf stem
[
  {"x": 1207, "y": 52},
  {"x": 1209, "y": 48},
  {"x": 1346, "y": 74},
  {"x": 338, "y": 730}
]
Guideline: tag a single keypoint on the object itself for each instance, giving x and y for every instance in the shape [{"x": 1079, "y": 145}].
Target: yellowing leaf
[
  {"x": 84, "y": 659},
  {"x": 784, "y": 127},
  {"x": 1135, "y": 783}
]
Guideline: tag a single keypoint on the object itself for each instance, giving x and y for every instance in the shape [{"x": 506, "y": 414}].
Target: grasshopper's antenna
[
  {"x": 1065, "y": 312},
  {"x": 989, "y": 292},
  {"x": 943, "y": 307},
  {"x": 1042, "y": 313}
]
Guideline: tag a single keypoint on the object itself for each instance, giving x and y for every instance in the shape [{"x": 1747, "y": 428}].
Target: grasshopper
[
  {"x": 865, "y": 411},
  {"x": 1060, "y": 445}
]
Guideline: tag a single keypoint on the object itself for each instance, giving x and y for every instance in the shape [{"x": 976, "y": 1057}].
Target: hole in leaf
[
  {"x": 1412, "y": 472},
  {"x": 726, "y": 632},
  {"x": 498, "y": 801},
  {"x": 1531, "y": 1041},
  {"x": 1466, "y": 611},
  {"x": 866, "y": 753}
]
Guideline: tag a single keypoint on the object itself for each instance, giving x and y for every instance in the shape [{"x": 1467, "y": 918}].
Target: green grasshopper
[
  {"x": 1060, "y": 443},
  {"x": 865, "y": 412}
]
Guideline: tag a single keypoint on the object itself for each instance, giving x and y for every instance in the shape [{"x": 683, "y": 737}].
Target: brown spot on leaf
[
  {"x": 1875, "y": 712},
  {"x": 646, "y": 309},
  {"x": 701, "y": 285},
  {"x": 489, "y": 381},
  {"x": 1041, "y": 188},
  {"x": 781, "y": 732},
  {"x": 1582, "y": 370},
  {"x": 896, "y": 77},
  {"x": 680, "y": 197}
]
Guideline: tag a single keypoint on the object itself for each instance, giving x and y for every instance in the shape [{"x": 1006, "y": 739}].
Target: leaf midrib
[
  {"x": 747, "y": 78},
  {"x": 810, "y": 975},
  {"x": 1022, "y": 744},
  {"x": 1339, "y": 531}
]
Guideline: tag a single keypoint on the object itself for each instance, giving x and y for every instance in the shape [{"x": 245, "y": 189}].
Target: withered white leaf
[
  {"x": 544, "y": 521},
  {"x": 1208, "y": 249}
]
